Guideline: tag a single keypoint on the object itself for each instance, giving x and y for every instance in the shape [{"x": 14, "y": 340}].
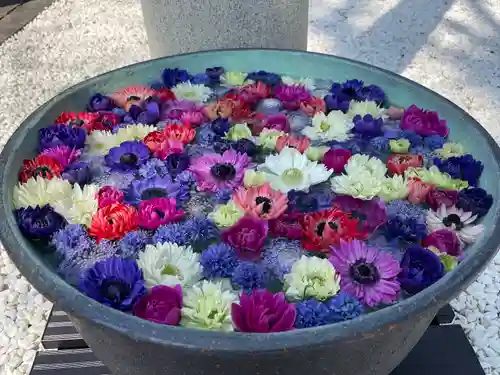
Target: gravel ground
[{"x": 448, "y": 45}]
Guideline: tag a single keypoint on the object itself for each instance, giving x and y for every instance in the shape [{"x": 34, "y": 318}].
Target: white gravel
[{"x": 448, "y": 45}]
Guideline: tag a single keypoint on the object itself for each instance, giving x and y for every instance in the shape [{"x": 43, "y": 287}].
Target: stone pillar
[{"x": 179, "y": 26}]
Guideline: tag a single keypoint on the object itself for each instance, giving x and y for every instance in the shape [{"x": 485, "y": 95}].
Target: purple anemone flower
[
  {"x": 62, "y": 135},
  {"x": 155, "y": 187},
  {"x": 420, "y": 268},
  {"x": 99, "y": 102},
  {"x": 38, "y": 222},
  {"x": 367, "y": 126},
  {"x": 78, "y": 173},
  {"x": 177, "y": 163},
  {"x": 171, "y": 77},
  {"x": 128, "y": 156},
  {"x": 150, "y": 114}
]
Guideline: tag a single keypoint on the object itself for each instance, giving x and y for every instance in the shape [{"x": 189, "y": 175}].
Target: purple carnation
[
  {"x": 475, "y": 200},
  {"x": 463, "y": 167},
  {"x": 371, "y": 214},
  {"x": 130, "y": 245},
  {"x": 445, "y": 241},
  {"x": 38, "y": 222},
  {"x": 367, "y": 126},
  {"x": 424, "y": 123},
  {"x": 218, "y": 261},
  {"x": 162, "y": 305},
  {"x": 62, "y": 135},
  {"x": 247, "y": 236},
  {"x": 72, "y": 241},
  {"x": 128, "y": 156},
  {"x": 438, "y": 197},
  {"x": 420, "y": 268}
]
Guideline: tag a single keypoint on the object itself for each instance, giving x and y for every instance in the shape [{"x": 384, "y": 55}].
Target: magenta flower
[
  {"x": 277, "y": 121},
  {"x": 158, "y": 211},
  {"x": 445, "y": 241},
  {"x": 366, "y": 272},
  {"x": 336, "y": 159},
  {"x": 214, "y": 172},
  {"x": 194, "y": 118},
  {"x": 64, "y": 155},
  {"x": 424, "y": 123},
  {"x": 177, "y": 108},
  {"x": 162, "y": 305},
  {"x": 262, "y": 311},
  {"x": 286, "y": 226},
  {"x": 437, "y": 197},
  {"x": 371, "y": 214},
  {"x": 109, "y": 195},
  {"x": 292, "y": 95},
  {"x": 247, "y": 236}
]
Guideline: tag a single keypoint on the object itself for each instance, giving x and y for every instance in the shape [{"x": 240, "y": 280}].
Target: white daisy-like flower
[
  {"x": 38, "y": 191},
  {"x": 100, "y": 142},
  {"x": 170, "y": 264},
  {"x": 239, "y": 131},
  {"x": 456, "y": 220},
  {"x": 268, "y": 138},
  {"x": 365, "y": 108},
  {"x": 311, "y": 277},
  {"x": 361, "y": 185},
  {"x": 359, "y": 163},
  {"x": 392, "y": 188},
  {"x": 291, "y": 170},
  {"x": 308, "y": 83},
  {"x": 136, "y": 132},
  {"x": 335, "y": 126},
  {"x": 207, "y": 305},
  {"x": 229, "y": 79},
  {"x": 79, "y": 206},
  {"x": 192, "y": 92}
]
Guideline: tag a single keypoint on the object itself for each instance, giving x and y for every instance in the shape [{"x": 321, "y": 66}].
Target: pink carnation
[
  {"x": 108, "y": 195},
  {"x": 424, "y": 123},
  {"x": 158, "y": 211}
]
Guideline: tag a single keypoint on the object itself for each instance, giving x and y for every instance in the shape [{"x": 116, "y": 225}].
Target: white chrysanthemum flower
[
  {"x": 268, "y": 138},
  {"x": 451, "y": 149},
  {"x": 79, "y": 206},
  {"x": 335, "y": 126},
  {"x": 136, "y": 132},
  {"x": 38, "y": 191},
  {"x": 365, "y": 108},
  {"x": 361, "y": 185},
  {"x": 101, "y": 141},
  {"x": 291, "y": 170},
  {"x": 239, "y": 131},
  {"x": 192, "y": 92},
  {"x": 317, "y": 153},
  {"x": 359, "y": 162},
  {"x": 207, "y": 305},
  {"x": 312, "y": 277},
  {"x": 226, "y": 215},
  {"x": 170, "y": 264},
  {"x": 392, "y": 188},
  {"x": 308, "y": 83},
  {"x": 230, "y": 79},
  {"x": 456, "y": 220}
]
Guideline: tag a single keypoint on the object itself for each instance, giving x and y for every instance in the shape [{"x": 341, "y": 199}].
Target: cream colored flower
[
  {"x": 268, "y": 138},
  {"x": 435, "y": 177},
  {"x": 308, "y": 83},
  {"x": 230, "y": 79},
  {"x": 136, "y": 132},
  {"x": 38, "y": 191},
  {"x": 239, "y": 131},
  {"x": 365, "y": 108},
  {"x": 253, "y": 178},
  {"x": 100, "y": 142},
  {"x": 226, "y": 215},
  {"x": 192, "y": 92},
  {"x": 79, "y": 206},
  {"x": 359, "y": 162},
  {"x": 450, "y": 149},
  {"x": 316, "y": 153},
  {"x": 335, "y": 126},
  {"x": 361, "y": 185},
  {"x": 392, "y": 188}
]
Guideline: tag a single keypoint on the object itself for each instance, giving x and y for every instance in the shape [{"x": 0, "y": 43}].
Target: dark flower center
[
  {"x": 153, "y": 193},
  {"x": 266, "y": 204},
  {"x": 364, "y": 273},
  {"x": 41, "y": 171},
  {"x": 349, "y": 91},
  {"x": 76, "y": 122},
  {"x": 133, "y": 97},
  {"x": 129, "y": 158},
  {"x": 223, "y": 172},
  {"x": 321, "y": 227},
  {"x": 453, "y": 219},
  {"x": 159, "y": 212},
  {"x": 114, "y": 290}
]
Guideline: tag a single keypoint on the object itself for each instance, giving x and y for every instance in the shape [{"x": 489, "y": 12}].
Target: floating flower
[
  {"x": 420, "y": 268},
  {"x": 292, "y": 95},
  {"x": 334, "y": 126},
  {"x": 261, "y": 202},
  {"x": 80, "y": 206},
  {"x": 169, "y": 264},
  {"x": 245, "y": 146},
  {"x": 342, "y": 94},
  {"x": 364, "y": 163},
  {"x": 133, "y": 243},
  {"x": 218, "y": 261},
  {"x": 171, "y": 77},
  {"x": 213, "y": 172},
  {"x": 193, "y": 93},
  {"x": 72, "y": 241},
  {"x": 306, "y": 82},
  {"x": 132, "y": 95},
  {"x": 301, "y": 202},
  {"x": 370, "y": 213},
  {"x": 400, "y": 146},
  {"x": 207, "y": 305},
  {"x": 38, "y": 222},
  {"x": 39, "y": 191},
  {"x": 239, "y": 131},
  {"x": 399, "y": 163},
  {"x": 311, "y": 277},
  {"x": 450, "y": 149},
  {"x": 177, "y": 163},
  {"x": 312, "y": 313},
  {"x": 182, "y": 110},
  {"x": 336, "y": 159},
  {"x": 248, "y": 276},
  {"x": 42, "y": 166},
  {"x": 61, "y": 135},
  {"x": 113, "y": 222},
  {"x": 155, "y": 187},
  {"x": 162, "y": 305},
  {"x": 366, "y": 273},
  {"x": 364, "y": 108},
  {"x": 291, "y": 170},
  {"x": 419, "y": 191},
  {"x": 329, "y": 227},
  {"x": 437, "y": 178},
  {"x": 462, "y": 168},
  {"x": 395, "y": 187},
  {"x": 446, "y": 241},
  {"x": 300, "y": 143},
  {"x": 247, "y": 236},
  {"x": 64, "y": 155},
  {"x": 158, "y": 211},
  {"x": 129, "y": 155},
  {"x": 99, "y": 102},
  {"x": 227, "y": 214},
  {"x": 316, "y": 153},
  {"x": 424, "y": 123},
  {"x": 278, "y": 122},
  {"x": 313, "y": 106},
  {"x": 344, "y": 307},
  {"x": 182, "y": 133},
  {"x": 253, "y": 178},
  {"x": 368, "y": 126},
  {"x": 287, "y": 227},
  {"x": 270, "y": 79},
  {"x": 405, "y": 221},
  {"x": 454, "y": 219},
  {"x": 437, "y": 197},
  {"x": 233, "y": 79},
  {"x": 474, "y": 200},
  {"x": 262, "y": 311},
  {"x": 361, "y": 185}
]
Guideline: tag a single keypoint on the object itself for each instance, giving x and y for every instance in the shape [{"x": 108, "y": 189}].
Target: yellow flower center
[
  {"x": 292, "y": 176},
  {"x": 324, "y": 126},
  {"x": 170, "y": 270}
]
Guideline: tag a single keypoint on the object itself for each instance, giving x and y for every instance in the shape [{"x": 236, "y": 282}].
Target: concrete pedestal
[{"x": 179, "y": 26}]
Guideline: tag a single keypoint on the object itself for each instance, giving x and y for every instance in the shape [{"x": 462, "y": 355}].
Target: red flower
[
  {"x": 322, "y": 229},
  {"x": 113, "y": 222},
  {"x": 165, "y": 94},
  {"x": 313, "y": 106},
  {"x": 287, "y": 226},
  {"x": 183, "y": 133},
  {"x": 42, "y": 166},
  {"x": 399, "y": 163},
  {"x": 336, "y": 159},
  {"x": 154, "y": 140},
  {"x": 254, "y": 93},
  {"x": 109, "y": 195},
  {"x": 419, "y": 191},
  {"x": 299, "y": 142},
  {"x": 89, "y": 120}
]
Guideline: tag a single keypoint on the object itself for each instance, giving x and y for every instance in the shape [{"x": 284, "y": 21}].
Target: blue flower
[
  {"x": 475, "y": 200},
  {"x": 299, "y": 201},
  {"x": 222, "y": 196},
  {"x": 280, "y": 254},
  {"x": 221, "y": 146},
  {"x": 99, "y": 102},
  {"x": 72, "y": 241},
  {"x": 115, "y": 282},
  {"x": 414, "y": 138},
  {"x": 341, "y": 95},
  {"x": 148, "y": 115},
  {"x": 172, "y": 77},
  {"x": 463, "y": 167},
  {"x": 312, "y": 313},
  {"x": 156, "y": 187},
  {"x": 152, "y": 168},
  {"x": 38, "y": 222},
  {"x": 434, "y": 142},
  {"x": 270, "y": 79},
  {"x": 372, "y": 93},
  {"x": 61, "y": 135},
  {"x": 201, "y": 229},
  {"x": 200, "y": 79},
  {"x": 248, "y": 276},
  {"x": 128, "y": 156},
  {"x": 78, "y": 173},
  {"x": 185, "y": 178},
  {"x": 405, "y": 221},
  {"x": 116, "y": 179},
  {"x": 206, "y": 136},
  {"x": 420, "y": 268},
  {"x": 367, "y": 126},
  {"x": 380, "y": 144},
  {"x": 214, "y": 74},
  {"x": 218, "y": 260},
  {"x": 344, "y": 307},
  {"x": 132, "y": 243},
  {"x": 245, "y": 146},
  {"x": 220, "y": 126},
  {"x": 175, "y": 233},
  {"x": 176, "y": 163}
]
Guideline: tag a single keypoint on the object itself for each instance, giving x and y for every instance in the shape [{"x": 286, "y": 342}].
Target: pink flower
[
  {"x": 437, "y": 197},
  {"x": 336, "y": 159},
  {"x": 108, "y": 195},
  {"x": 419, "y": 191},
  {"x": 247, "y": 236},
  {"x": 162, "y": 305},
  {"x": 395, "y": 113},
  {"x": 261, "y": 201},
  {"x": 275, "y": 122},
  {"x": 445, "y": 241},
  {"x": 424, "y": 123},
  {"x": 286, "y": 226},
  {"x": 64, "y": 155},
  {"x": 158, "y": 211},
  {"x": 214, "y": 172},
  {"x": 168, "y": 147},
  {"x": 262, "y": 311},
  {"x": 313, "y": 106},
  {"x": 299, "y": 142},
  {"x": 177, "y": 108},
  {"x": 292, "y": 95},
  {"x": 194, "y": 118}
]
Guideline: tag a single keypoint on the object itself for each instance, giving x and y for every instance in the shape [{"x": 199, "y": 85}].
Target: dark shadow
[{"x": 4, "y": 3}]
